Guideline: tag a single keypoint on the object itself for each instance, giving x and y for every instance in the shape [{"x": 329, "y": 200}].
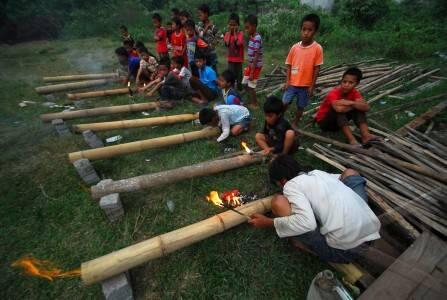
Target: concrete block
[
  {"x": 112, "y": 206},
  {"x": 60, "y": 127},
  {"x": 86, "y": 171},
  {"x": 92, "y": 139},
  {"x": 118, "y": 288}
]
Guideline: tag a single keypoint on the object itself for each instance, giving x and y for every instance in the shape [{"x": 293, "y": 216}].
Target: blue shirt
[
  {"x": 208, "y": 77},
  {"x": 133, "y": 64}
]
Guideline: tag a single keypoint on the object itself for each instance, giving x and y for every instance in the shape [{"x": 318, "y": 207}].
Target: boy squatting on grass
[
  {"x": 344, "y": 103},
  {"x": 230, "y": 118},
  {"x": 324, "y": 214},
  {"x": 131, "y": 63},
  {"x": 277, "y": 136},
  {"x": 303, "y": 62}
]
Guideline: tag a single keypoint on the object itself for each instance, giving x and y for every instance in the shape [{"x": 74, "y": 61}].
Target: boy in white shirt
[{"x": 325, "y": 214}]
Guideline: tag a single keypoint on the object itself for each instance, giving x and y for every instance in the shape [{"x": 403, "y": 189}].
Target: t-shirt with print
[
  {"x": 161, "y": 44},
  {"x": 276, "y": 134},
  {"x": 150, "y": 65},
  {"x": 191, "y": 45},
  {"x": 235, "y": 45},
  {"x": 178, "y": 43},
  {"x": 255, "y": 46},
  {"x": 334, "y": 95},
  {"x": 302, "y": 61}
]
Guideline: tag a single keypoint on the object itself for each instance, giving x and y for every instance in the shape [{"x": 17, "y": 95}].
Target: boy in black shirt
[{"x": 278, "y": 136}]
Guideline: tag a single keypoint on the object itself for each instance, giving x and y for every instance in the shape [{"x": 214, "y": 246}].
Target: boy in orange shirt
[{"x": 303, "y": 62}]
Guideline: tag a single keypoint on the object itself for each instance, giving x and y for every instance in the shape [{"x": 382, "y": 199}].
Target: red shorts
[{"x": 256, "y": 74}]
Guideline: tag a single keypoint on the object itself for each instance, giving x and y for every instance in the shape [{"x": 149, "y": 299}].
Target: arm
[
  {"x": 361, "y": 105},
  {"x": 238, "y": 38},
  {"x": 225, "y": 127},
  {"x": 314, "y": 80},
  {"x": 342, "y": 106},
  {"x": 289, "y": 70},
  {"x": 137, "y": 80}
]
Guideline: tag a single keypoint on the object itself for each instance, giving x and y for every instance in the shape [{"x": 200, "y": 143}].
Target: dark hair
[
  {"x": 157, "y": 17},
  {"x": 164, "y": 61},
  {"x": 284, "y": 167},
  {"x": 313, "y": 18},
  {"x": 251, "y": 19},
  {"x": 184, "y": 13},
  {"x": 121, "y": 51},
  {"x": 123, "y": 27},
  {"x": 178, "y": 60},
  {"x": 190, "y": 24},
  {"x": 175, "y": 11},
  {"x": 177, "y": 22},
  {"x": 139, "y": 45},
  {"x": 355, "y": 72},
  {"x": 206, "y": 115},
  {"x": 205, "y": 9},
  {"x": 228, "y": 76},
  {"x": 273, "y": 105},
  {"x": 234, "y": 17},
  {"x": 128, "y": 43},
  {"x": 199, "y": 54}
]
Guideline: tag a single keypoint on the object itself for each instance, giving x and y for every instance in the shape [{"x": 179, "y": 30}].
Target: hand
[
  {"x": 260, "y": 221},
  {"x": 285, "y": 86},
  {"x": 250, "y": 78},
  {"x": 310, "y": 91},
  {"x": 267, "y": 151}
]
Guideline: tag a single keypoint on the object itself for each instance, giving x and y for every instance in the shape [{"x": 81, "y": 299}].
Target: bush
[{"x": 363, "y": 12}]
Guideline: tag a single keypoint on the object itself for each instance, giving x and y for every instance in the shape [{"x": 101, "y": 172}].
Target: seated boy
[
  {"x": 176, "y": 86},
  {"x": 324, "y": 214},
  {"x": 148, "y": 66},
  {"x": 131, "y": 63},
  {"x": 226, "y": 82},
  {"x": 205, "y": 86},
  {"x": 230, "y": 118},
  {"x": 344, "y": 103},
  {"x": 157, "y": 80},
  {"x": 277, "y": 136}
]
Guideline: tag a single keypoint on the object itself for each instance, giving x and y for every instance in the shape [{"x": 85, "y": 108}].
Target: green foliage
[{"x": 363, "y": 12}]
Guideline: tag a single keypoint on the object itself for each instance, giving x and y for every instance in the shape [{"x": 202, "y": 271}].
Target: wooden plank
[
  {"x": 428, "y": 115},
  {"x": 413, "y": 273},
  {"x": 437, "y": 276}
]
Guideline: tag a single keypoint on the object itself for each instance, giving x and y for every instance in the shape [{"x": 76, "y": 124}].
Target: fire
[
  {"x": 244, "y": 145},
  {"x": 128, "y": 84},
  {"x": 215, "y": 199},
  {"x": 227, "y": 199},
  {"x": 43, "y": 268}
]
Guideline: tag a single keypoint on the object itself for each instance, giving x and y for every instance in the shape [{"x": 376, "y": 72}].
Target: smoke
[{"x": 91, "y": 60}]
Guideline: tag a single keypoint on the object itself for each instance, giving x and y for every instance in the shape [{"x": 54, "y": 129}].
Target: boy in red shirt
[
  {"x": 234, "y": 41},
  {"x": 160, "y": 37},
  {"x": 178, "y": 40},
  {"x": 303, "y": 62},
  {"x": 344, "y": 103}
]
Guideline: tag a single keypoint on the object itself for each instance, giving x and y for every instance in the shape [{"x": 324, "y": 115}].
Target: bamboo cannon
[
  {"x": 69, "y": 86},
  {"x": 167, "y": 177},
  {"x": 138, "y": 146},
  {"x": 145, "y": 122},
  {"x": 80, "y": 77},
  {"x": 103, "y": 93},
  {"x": 100, "y": 111}
]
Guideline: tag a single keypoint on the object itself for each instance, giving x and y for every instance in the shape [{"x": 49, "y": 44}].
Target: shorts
[
  {"x": 301, "y": 93},
  {"x": 317, "y": 242},
  {"x": 251, "y": 83},
  {"x": 244, "y": 123}
]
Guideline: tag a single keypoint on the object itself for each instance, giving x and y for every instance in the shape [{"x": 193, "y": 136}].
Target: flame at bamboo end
[
  {"x": 43, "y": 268},
  {"x": 226, "y": 199},
  {"x": 244, "y": 145},
  {"x": 128, "y": 84}
]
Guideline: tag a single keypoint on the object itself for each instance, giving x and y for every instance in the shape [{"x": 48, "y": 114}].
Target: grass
[{"x": 46, "y": 210}]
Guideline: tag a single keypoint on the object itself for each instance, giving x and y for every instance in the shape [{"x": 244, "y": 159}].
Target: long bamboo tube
[
  {"x": 145, "y": 122},
  {"x": 103, "y": 93},
  {"x": 122, "y": 260},
  {"x": 80, "y": 77},
  {"x": 127, "y": 148},
  {"x": 167, "y": 177},
  {"x": 69, "y": 86},
  {"x": 100, "y": 111}
]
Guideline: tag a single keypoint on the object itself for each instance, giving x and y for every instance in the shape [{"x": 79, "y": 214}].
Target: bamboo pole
[
  {"x": 138, "y": 146},
  {"x": 100, "y": 111},
  {"x": 80, "y": 77},
  {"x": 167, "y": 177},
  {"x": 145, "y": 122},
  {"x": 103, "y": 93},
  {"x": 69, "y": 86}
]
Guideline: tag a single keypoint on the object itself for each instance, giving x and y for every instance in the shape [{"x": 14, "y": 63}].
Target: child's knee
[
  {"x": 290, "y": 134},
  {"x": 280, "y": 206}
]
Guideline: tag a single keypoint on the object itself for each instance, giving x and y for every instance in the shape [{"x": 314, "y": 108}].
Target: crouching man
[{"x": 324, "y": 214}]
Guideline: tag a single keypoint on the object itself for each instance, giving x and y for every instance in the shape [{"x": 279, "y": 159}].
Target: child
[
  {"x": 234, "y": 41},
  {"x": 125, "y": 35},
  {"x": 209, "y": 33},
  {"x": 174, "y": 14},
  {"x": 157, "y": 80},
  {"x": 160, "y": 37},
  {"x": 129, "y": 45},
  {"x": 176, "y": 86},
  {"x": 184, "y": 74},
  {"x": 277, "y": 136},
  {"x": 344, "y": 103},
  {"x": 303, "y": 62},
  {"x": 226, "y": 84},
  {"x": 230, "y": 118},
  {"x": 178, "y": 39},
  {"x": 184, "y": 16},
  {"x": 205, "y": 86},
  {"x": 254, "y": 58},
  {"x": 131, "y": 63},
  {"x": 148, "y": 66},
  {"x": 193, "y": 43}
]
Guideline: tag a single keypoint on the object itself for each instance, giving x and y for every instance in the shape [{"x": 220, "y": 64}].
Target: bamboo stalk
[
  {"x": 103, "y": 93},
  {"x": 168, "y": 177},
  {"x": 125, "y": 124},
  {"x": 138, "y": 146},
  {"x": 422, "y": 119},
  {"x": 69, "y": 86},
  {"x": 80, "y": 77},
  {"x": 407, "y": 104},
  {"x": 101, "y": 111}
]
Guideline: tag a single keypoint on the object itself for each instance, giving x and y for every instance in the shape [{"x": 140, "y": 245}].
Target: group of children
[{"x": 186, "y": 67}]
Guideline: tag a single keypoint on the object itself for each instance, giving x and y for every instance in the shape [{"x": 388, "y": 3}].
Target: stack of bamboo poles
[{"x": 409, "y": 173}]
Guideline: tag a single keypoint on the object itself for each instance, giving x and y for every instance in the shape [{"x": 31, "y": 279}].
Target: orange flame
[
  {"x": 128, "y": 84},
  {"x": 244, "y": 145},
  {"x": 227, "y": 199},
  {"x": 43, "y": 268},
  {"x": 215, "y": 199}
]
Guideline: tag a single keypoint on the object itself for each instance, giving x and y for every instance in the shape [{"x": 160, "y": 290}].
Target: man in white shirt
[{"x": 326, "y": 214}]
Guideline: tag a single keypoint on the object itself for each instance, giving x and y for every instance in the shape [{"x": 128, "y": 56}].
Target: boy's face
[
  {"x": 271, "y": 118},
  {"x": 163, "y": 70},
  {"x": 233, "y": 26},
  {"x": 174, "y": 26},
  {"x": 222, "y": 83},
  {"x": 189, "y": 31},
  {"x": 156, "y": 23},
  {"x": 200, "y": 62},
  {"x": 202, "y": 16},
  {"x": 128, "y": 47},
  {"x": 348, "y": 82},
  {"x": 307, "y": 31},
  {"x": 250, "y": 28},
  {"x": 145, "y": 56},
  {"x": 183, "y": 19},
  {"x": 175, "y": 65},
  {"x": 123, "y": 32}
]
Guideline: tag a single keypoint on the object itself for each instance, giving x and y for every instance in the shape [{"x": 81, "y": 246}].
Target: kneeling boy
[
  {"x": 230, "y": 118},
  {"x": 344, "y": 103},
  {"x": 277, "y": 136}
]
